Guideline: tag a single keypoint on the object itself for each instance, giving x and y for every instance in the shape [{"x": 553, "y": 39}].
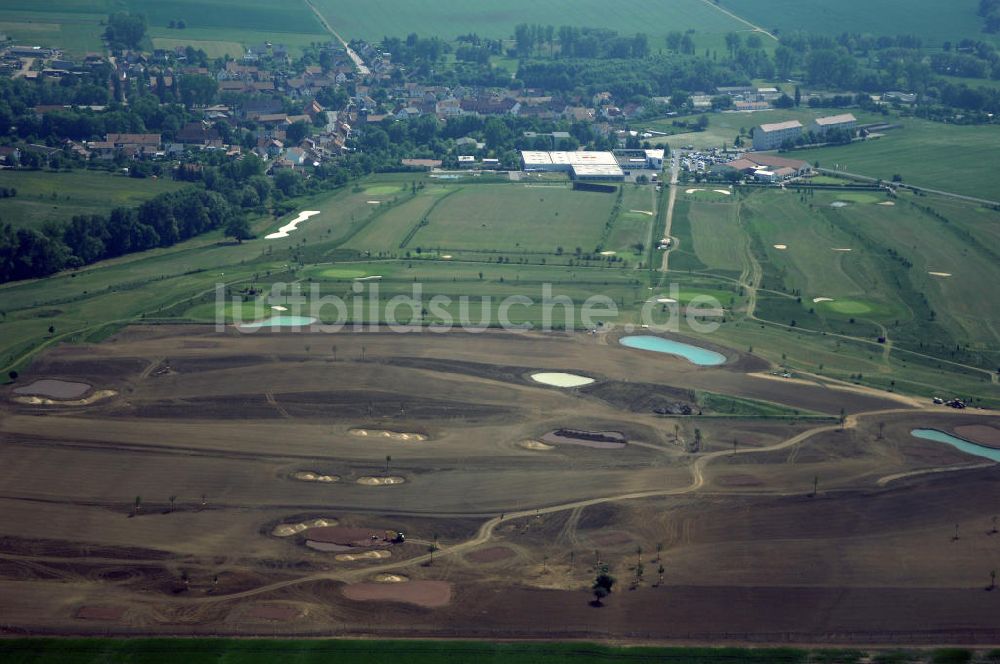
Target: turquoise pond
[
  {"x": 958, "y": 443},
  {"x": 694, "y": 354},
  {"x": 279, "y": 321}
]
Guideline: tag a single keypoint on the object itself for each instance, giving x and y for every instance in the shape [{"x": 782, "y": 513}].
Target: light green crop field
[
  {"x": 933, "y": 20},
  {"x": 43, "y": 195},
  {"x": 940, "y": 156},
  {"x": 494, "y": 19},
  {"x": 513, "y": 217}
]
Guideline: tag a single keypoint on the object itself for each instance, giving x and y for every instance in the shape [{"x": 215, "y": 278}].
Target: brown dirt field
[
  {"x": 347, "y": 536},
  {"x": 493, "y": 554},
  {"x": 749, "y": 554},
  {"x": 113, "y": 613},
  {"x": 54, "y": 389},
  {"x": 980, "y": 433},
  {"x": 273, "y": 612},
  {"x": 430, "y": 594}
]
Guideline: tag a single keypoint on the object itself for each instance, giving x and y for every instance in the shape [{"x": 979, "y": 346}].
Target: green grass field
[
  {"x": 46, "y": 196},
  {"x": 927, "y": 154},
  {"x": 932, "y": 20},
  {"x": 496, "y": 19}
]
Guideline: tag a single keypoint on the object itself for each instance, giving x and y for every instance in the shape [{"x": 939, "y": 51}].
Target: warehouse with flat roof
[{"x": 581, "y": 165}]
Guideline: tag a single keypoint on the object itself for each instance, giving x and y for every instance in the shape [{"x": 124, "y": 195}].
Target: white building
[
  {"x": 771, "y": 136},
  {"x": 843, "y": 121}
]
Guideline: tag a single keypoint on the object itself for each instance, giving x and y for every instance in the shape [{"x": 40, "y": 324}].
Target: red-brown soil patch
[
  {"x": 491, "y": 555},
  {"x": 273, "y": 612},
  {"x": 430, "y": 594},
  {"x": 984, "y": 434},
  {"x": 347, "y": 536},
  {"x": 612, "y": 538},
  {"x": 100, "y": 613}
]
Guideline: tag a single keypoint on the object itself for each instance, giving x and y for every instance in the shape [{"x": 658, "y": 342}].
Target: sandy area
[
  {"x": 447, "y": 257},
  {"x": 406, "y": 437},
  {"x": 557, "y": 379},
  {"x": 887, "y": 203},
  {"x": 374, "y": 202},
  {"x": 430, "y": 594},
  {"x": 642, "y": 212},
  {"x": 291, "y": 225},
  {"x": 940, "y": 274},
  {"x": 86, "y": 401},
  {"x": 390, "y": 578},
  {"x": 838, "y": 204},
  {"x": 535, "y": 445},
  {"x": 608, "y": 253},
  {"x": 279, "y": 308},
  {"x": 100, "y": 612},
  {"x": 273, "y": 612},
  {"x": 310, "y": 476},
  {"x": 781, "y": 247},
  {"x": 374, "y": 277},
  {"x": 367, "y": 555},
  {"x": 289, "y": 529},
  {"x": 55, "y": 389},
  {"x": 492, "y": 554},
  {"x": 817, "y": 300},
  {"x": 691, "y": 191},
  {"x": 841, "y": 249},
  {"x": 666, "y": 300},
  {"x": 983, "y": 434},
  {"x": 381, "y": 481},
  {"x": 723, "y": 191}
]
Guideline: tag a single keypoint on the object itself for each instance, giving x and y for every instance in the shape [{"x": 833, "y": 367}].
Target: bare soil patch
[
  {"x": 492, "y": 554},
  {"x": 289, "y": 529},
  {"x": 356, "y": 537},
  {"x": 536, "y": 445},
  {"x": 55, "y": 389},
  {"x": 983, "y": 434},
  {"x": 109, "y": 613},
  {"x": 390, "y": 435},
  {"x": 381, "y": 481},
  {"x": 273, "y": 612},
  {"x": 614, "y": 538},
  {"x": 367, "y": 555},
  {"x": 312, "y": 476},
  {"x": 430, "y": 594}
]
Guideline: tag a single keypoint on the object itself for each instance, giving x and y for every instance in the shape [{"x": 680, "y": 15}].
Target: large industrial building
[
  {"x": 771, "y": 136},
  {"x": 586, "y": 166}
]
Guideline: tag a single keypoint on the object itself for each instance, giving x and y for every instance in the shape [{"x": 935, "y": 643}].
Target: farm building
[
  {"x": 771, "y": 136},
  {"x": 844, "y": 121}
]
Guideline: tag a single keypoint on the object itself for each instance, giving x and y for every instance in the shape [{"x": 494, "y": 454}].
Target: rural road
[
  {"x": 755, "y": 28},
  {"x": 675, "y": 169},
  {"x": 358, "y": 62},
  {"x": 901, "y": 185}
]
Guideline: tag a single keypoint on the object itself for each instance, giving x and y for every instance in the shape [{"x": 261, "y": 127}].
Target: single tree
[
  {"x": 138, "y": 505},
  {"x": 172, "y": 499},
  {"x": 602, "y": 586}
]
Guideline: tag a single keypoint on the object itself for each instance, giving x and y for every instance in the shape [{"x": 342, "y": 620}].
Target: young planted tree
[
  {"x": 881, "y": 430},
  {"x": 173, "y": 499},
  {"x": 388, "y": 460},
  {"x": 602, "y": 586},
  {"x": 138, "y": 505}
]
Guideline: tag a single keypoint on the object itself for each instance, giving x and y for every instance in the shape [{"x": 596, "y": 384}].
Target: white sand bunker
[
  {"x": 841, "y": 249},
  {"x": 289, "y": 529},
  {"x": 291, "y": 225},
  {"x": 374, "y": 202},
  {"x": 608, "y": 253},
  {"x": 536, "y": 445},
  {"x": 446, "y": 257},
  {"x": 557, "y": 379},
  {"x": 310, "y": 476},
  {"x": 278, "y": 307},
  {"x": 367, "y": 555},
  {"x": 86, "y": 401},
  {"x": 391, "y": 435},
  {"x": 723, "y": 191},
  {"x": 817, "y": 300},
  {"x": 781, "y": 247},
  {"x": 381, "y": 481},
  {"x": 374, "y": 277},
  {"x": 666, "y": 300},
  {"x": 887, "y": 203},
  {"x": 390, "y": 578},
  {"x": 940, "y": 274},
  {"x": 642, "y": 212},
  {"x": 691, "y": 191},
  {"x": 838, "y": 204}
]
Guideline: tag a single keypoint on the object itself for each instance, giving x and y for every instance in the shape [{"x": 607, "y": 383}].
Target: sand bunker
[
  {"x": 289, "y": 529},
  {"x": 55, "y": 389},
  {"x": 940, "y": 274},
  {"x": 279, "y": 308},
  {"x": 381, "y": 481},
  {"x": 608, "y": 253},
  {"x": 838, "y": 204},
  {"x": 983, "y": 434},
  {"x": 310, "y": 476},
  {"x": 374, "y": 202},
  {"x": 817, "y": 300},
  {"x": 374, "y": 277},
  {"x": 841, "y": 249},
  {"x": 273, "y": 612},
  {"x": 887, "y": 203},
  {"x": 723, "y": 191},
  {"x": 86, "y": 401},
  {"x": 492, "y": 554},
  {"x": 666, "y": 300},
  {"x": 691, "y": 191},
  {"x": 390, "y": 578},
  {"x": 367, "y": 555},
  {"x": 100, "y": 613},
  {"x": 391, "y": 435},
  {"x": 430, "y": 594},
  {"x": 447, "y": 257},
  {"x": 781, "y": 247},
  {"x": 291, "y": 225},
  {"x": 642, "y": 212},
  {"x": 557, "y": 379},
  {"x": 535, "y": 445},
  {"x": 607, "y": 440}
]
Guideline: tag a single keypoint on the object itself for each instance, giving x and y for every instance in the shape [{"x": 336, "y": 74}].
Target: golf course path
[{"x": 755, "y": 28}]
